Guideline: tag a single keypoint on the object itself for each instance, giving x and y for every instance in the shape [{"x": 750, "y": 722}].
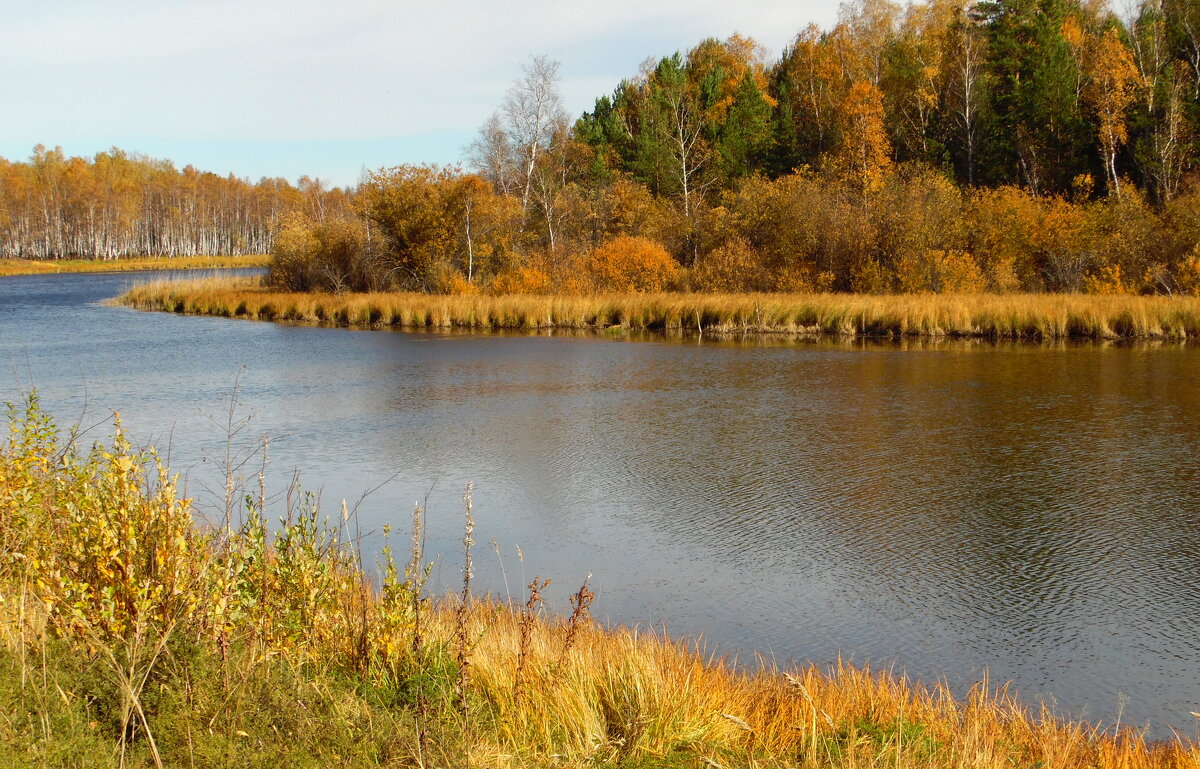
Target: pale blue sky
[{"x": 293, "y": 87}]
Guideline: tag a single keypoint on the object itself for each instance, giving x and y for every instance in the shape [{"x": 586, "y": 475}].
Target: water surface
[{"x": 943, "y": 508}]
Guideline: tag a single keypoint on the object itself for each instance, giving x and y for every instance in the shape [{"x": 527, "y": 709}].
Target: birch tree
[
  {"x": 532, "y": 108},
  {"x": 492, "y": 154},
  {"x": 1109, "y": 92},
  {"x": 673, "y": 130},
  {"x": 965, "y": 71}
]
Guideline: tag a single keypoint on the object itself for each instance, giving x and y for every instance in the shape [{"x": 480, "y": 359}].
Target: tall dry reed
[{"x": 996, "y": 316}]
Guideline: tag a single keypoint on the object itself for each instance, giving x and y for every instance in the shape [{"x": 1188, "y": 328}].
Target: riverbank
[
  {"x": 127, "y": 630},
  {"x": 137, "y": 263},
  {"x": 1000, "y": 316}
]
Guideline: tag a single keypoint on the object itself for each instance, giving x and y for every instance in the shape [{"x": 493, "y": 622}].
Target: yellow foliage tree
[{"x": 1110, "y": 89}]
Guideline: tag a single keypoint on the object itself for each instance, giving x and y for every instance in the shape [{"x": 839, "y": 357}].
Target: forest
[
  {"x": 943, "y": 146},
  {"x": 120, "y": 204}
]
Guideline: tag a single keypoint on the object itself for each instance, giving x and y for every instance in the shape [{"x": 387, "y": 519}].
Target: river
[{"x": 938, "y": 508}]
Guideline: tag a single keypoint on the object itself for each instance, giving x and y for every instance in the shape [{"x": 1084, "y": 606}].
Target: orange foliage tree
[{"x": 866, "y": 150}]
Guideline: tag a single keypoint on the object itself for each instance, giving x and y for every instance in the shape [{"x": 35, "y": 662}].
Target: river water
[{"x": 944, "y": 509}]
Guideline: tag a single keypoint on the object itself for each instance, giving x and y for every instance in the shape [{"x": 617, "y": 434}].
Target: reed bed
[
  {"x": 997, "y": 316},
  {"x": 37, "y": 267},
  {"x": 131, "y": 635}
]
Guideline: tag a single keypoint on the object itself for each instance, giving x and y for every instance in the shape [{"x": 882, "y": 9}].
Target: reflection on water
[{"x": 940, "y": 506}]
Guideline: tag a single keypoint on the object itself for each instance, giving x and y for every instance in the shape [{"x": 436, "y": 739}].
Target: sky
[{"x": 323, "y": 88}]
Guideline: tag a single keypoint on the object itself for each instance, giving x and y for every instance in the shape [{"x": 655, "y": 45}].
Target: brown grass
[
  {"x": 1006, "y": 316},
  {"x": 138, "y": 263}
]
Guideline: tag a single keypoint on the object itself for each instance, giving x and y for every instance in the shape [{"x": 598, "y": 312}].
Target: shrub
[
  {"x": 327, "y": 256},
  {"x": 631, "y": 265},
  {"x": 733, "y": 266},
  {"x": 936, "y": 271},
  {"x": 916, "y": 213},
  {"x": 1187, "y": 274},
  {"x": 784, "y": 220},
  {"x": 1000, "y": 225},
  {"x": 1106, "y": 280},
  {"x": 520, "y": 280},
  {"x": 445, "y": 279},
  {"x": 870, "y": 277}
]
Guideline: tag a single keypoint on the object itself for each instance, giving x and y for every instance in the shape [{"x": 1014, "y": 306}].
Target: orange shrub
[
  {"x": 1127, "y": 234},
  {"x": 631, "y": 265},
  {"x": 520, "y": 280},
  {"x": 1000, "y": 226},
  {"x": 458, "y": 285},
  {"x": 1000, "y": 276},
  {"x": 798, "y": 279},
  {"x": 786, "y": 221},
  {"x": 915, "y": 212}
]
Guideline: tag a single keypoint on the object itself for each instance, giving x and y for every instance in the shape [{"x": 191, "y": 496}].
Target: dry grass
[
  {"x": 121, "y": 619},
  {"x": 623, "y": 694},
  {"x": 1010, "y": 316},
  {"x": 36, "y": 267}
]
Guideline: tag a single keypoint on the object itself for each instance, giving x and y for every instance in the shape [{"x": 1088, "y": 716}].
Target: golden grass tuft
[{"x": 995, "y": 316}]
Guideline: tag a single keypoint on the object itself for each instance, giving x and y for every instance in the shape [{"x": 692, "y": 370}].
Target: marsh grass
[
  {"x": 261, "y": 660},
  {"x": 995, "y": 316},
  {"x": 138, "y": 263}
]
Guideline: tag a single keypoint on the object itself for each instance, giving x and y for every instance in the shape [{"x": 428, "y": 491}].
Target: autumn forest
[{"x": 1005, "y": 145}]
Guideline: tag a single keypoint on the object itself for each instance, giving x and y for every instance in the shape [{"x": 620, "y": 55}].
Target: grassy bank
[
  {"x": 34, "y": 267},
  {"x": 1009, "y": 316},
  {"x": 131, "y": 635}
]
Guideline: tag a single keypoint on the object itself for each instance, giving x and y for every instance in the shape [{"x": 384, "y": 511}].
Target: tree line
[
  {"x": 1044, "y": 94},
  {"x": 1002, "y": 145},
  {"x": 118, "y": 204}
]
